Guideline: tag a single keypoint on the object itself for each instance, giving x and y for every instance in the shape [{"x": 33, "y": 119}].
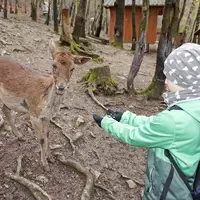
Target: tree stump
[{"x": 99, "y": 80}]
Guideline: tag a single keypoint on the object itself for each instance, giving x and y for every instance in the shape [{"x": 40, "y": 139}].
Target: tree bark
[
  {"x": 140, "y": 47},
  {"x": 34, "y": 4},
  {"x": 134, "y": 37},
  {"x": 5, "y": 15},
  {"x": 79, "y": 29},
  {"x": 119, "y": 24},
  {"x": 100, "y": 18},
  {"x": 66, "y": 36},
  {"x": 190, "y": 24},
  {"x": 16, "y": 6},
  {"x": 10, "y": 5},
  {"x": 156, "y": 88},
  {"x": 55, "y": 16},
  {"x": 25, "y": 9},
  {"x": 48, "y": 14},
  {"x": 1, "y": 5}
]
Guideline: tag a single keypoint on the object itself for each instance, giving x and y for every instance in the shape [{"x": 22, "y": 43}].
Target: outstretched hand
[
  {"x": 97, "y": 119},
  {"x": 115, "y": 115}
]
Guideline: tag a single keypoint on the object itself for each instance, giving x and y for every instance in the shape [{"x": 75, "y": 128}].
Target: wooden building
[{"x": 156, "y": 8}]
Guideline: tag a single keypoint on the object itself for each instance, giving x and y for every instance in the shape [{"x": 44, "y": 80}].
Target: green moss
[
  {"x": 116, "y": 44},
  {"x": 109, "y": 83},
  {"x": 98, "y": 60}
]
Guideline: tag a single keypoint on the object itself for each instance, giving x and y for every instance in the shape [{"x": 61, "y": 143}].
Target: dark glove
[
  {"x": 97, "y": 119},
  {"x": 115, "y": 115}
]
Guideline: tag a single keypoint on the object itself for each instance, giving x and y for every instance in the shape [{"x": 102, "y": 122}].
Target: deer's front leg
[
  {"x": 40, "y": 126},
  {"x": 7, "y": 113}
]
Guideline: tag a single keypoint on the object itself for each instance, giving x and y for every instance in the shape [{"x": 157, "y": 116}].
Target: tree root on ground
[
  {"x": 67, "y": 136},
  {"x": 36, "y": 190},
  {"x": 90, "y": 177},
  {"x": 90, "y": 92}
]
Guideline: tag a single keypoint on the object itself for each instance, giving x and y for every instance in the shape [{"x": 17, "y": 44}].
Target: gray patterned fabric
[{"x": 182, "y": 67}]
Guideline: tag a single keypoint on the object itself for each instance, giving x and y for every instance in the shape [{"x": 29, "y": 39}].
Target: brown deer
[{"x": 25, "y": 90}]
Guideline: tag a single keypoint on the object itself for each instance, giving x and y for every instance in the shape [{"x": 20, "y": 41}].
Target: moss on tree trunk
[{"x": 100, "y": 81}]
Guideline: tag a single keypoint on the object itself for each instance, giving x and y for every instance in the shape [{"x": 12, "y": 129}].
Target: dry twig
[
  {"x": 67, "y": 136},
  {"x": 36, "y": 190},
  {"x": 90, "y": 92}
]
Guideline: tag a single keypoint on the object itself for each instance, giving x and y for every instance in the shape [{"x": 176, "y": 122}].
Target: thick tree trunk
[
  {"x": 134, "y": 37},
  {"x": 55, "y": 16},
  {"x": 73, "y": 14},
  {"x": 48, "y": 14},
  {"x": 66, "y": 36},
  {"x": 119, "y": 24},
  {"x": 79, "y": 29},
  {"x": 5, "y": 16},
  {"x": 156, "y": 88},
  {"x": 190, "y": 24},
  {"x": 100, "y": 18},
  {"x": 34, "y": 4},
  {"x": 16, "y": 6},
  {"x": 140, "y": 47},
  {"x": 197, "y": 28}
]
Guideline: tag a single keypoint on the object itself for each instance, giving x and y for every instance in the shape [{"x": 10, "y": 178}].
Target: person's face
[{"x": 172, "y": 87}]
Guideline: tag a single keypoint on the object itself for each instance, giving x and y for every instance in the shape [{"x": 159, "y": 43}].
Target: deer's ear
[
  {"x": 52, "y": 47},
  {"x": 80, "y": 60}
]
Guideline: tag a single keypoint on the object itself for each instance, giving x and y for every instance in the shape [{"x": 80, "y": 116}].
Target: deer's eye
[{"x": 71, "y": 70}]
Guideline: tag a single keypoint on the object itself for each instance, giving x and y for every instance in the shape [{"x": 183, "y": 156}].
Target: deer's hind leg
[{"x": 7, "y": 113}]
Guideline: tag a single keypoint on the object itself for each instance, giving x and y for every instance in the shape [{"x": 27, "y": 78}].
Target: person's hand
[
  {"x": 115, "y": 115},
  {"x": 97, "y": 119}
]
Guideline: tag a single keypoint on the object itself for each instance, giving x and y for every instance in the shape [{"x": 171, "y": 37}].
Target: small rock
[
  {"x": 7, "y": 128},
  {"x": 131, "y": 106},
  {"x": 1, "y": 144},
  {"x": 77, "y": 136},
  {"x": 42, "y": 179},
  {"x": 6, "y": 186},
  {"x": 79, "y": 120},
  {"x": 131, "y": 184},
  {"x": 97, "y": 174}
]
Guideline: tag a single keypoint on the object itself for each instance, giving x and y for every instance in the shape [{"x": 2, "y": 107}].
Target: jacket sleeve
[
  {"x": 158, "y": 131},
  {"x": 133, "y": 119}
]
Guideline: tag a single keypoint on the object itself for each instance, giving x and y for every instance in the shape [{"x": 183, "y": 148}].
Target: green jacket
[{"x": 176, "y": 130}]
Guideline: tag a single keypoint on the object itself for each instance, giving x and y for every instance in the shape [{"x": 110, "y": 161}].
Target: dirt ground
[{"x": 117, "y": 163}]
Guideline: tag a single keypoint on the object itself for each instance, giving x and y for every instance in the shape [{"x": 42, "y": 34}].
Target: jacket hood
[{"x": 191, "y": 107}]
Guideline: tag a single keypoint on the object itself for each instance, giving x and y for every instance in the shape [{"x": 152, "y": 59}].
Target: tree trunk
[
  {"x": 16, "y": 6},
  {"x": 55, "y": 16},
  {"x": 100, "y": 18},
  {"x": 190, "y": 24},
  {"x": 5, "y": 16},
  {"x": 66, "y": 36},
  {"x": 134, "y": 37},
  {"x": 140, "y": 47},
  {"x": 197, "y": 27},
  {"x": 119, "y": 24},
  {"x": 1, "y": 5},
  {"x": 106, "y": 21},
  {"x": 156, "y": 88},
  {"x": 79, "y": 29},
  {"x": 87, "y": 17},
  {"x": 48, "y": 14},
  {"x": 10, "y": 5},
  {"x": 25, "y": 8},
  {"x": 73, "y": 14},
  {"x": 34, "y": 4}
]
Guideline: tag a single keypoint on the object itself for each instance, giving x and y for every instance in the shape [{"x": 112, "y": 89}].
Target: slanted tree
[
  {"x": 134, "y": 37},
  {"x": 5, "y": 15},
  {"x": 79, "y": 28},
  {"x": 119, "y": 24},
  {"x": 156, "y": 87},
  {"x": 140, "y": 47},
  {"x": 34, "y": 5}
]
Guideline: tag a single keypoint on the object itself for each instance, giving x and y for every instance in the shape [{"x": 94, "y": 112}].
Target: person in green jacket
[{"x": 177, "y": 130}]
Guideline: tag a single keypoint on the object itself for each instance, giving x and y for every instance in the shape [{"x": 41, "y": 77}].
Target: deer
[{"x": 25, "y": 90}]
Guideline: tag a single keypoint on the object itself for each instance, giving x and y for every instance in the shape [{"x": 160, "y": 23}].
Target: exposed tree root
[
  {"x": 90, "y": 92},
  {"x": 90, "y": 177},
  {"x": 67, "y": 136},
  {"x": 36, "y": 190}
]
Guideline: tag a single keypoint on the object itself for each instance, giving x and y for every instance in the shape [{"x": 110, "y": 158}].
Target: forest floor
[{"x": 120, "y": 167}]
